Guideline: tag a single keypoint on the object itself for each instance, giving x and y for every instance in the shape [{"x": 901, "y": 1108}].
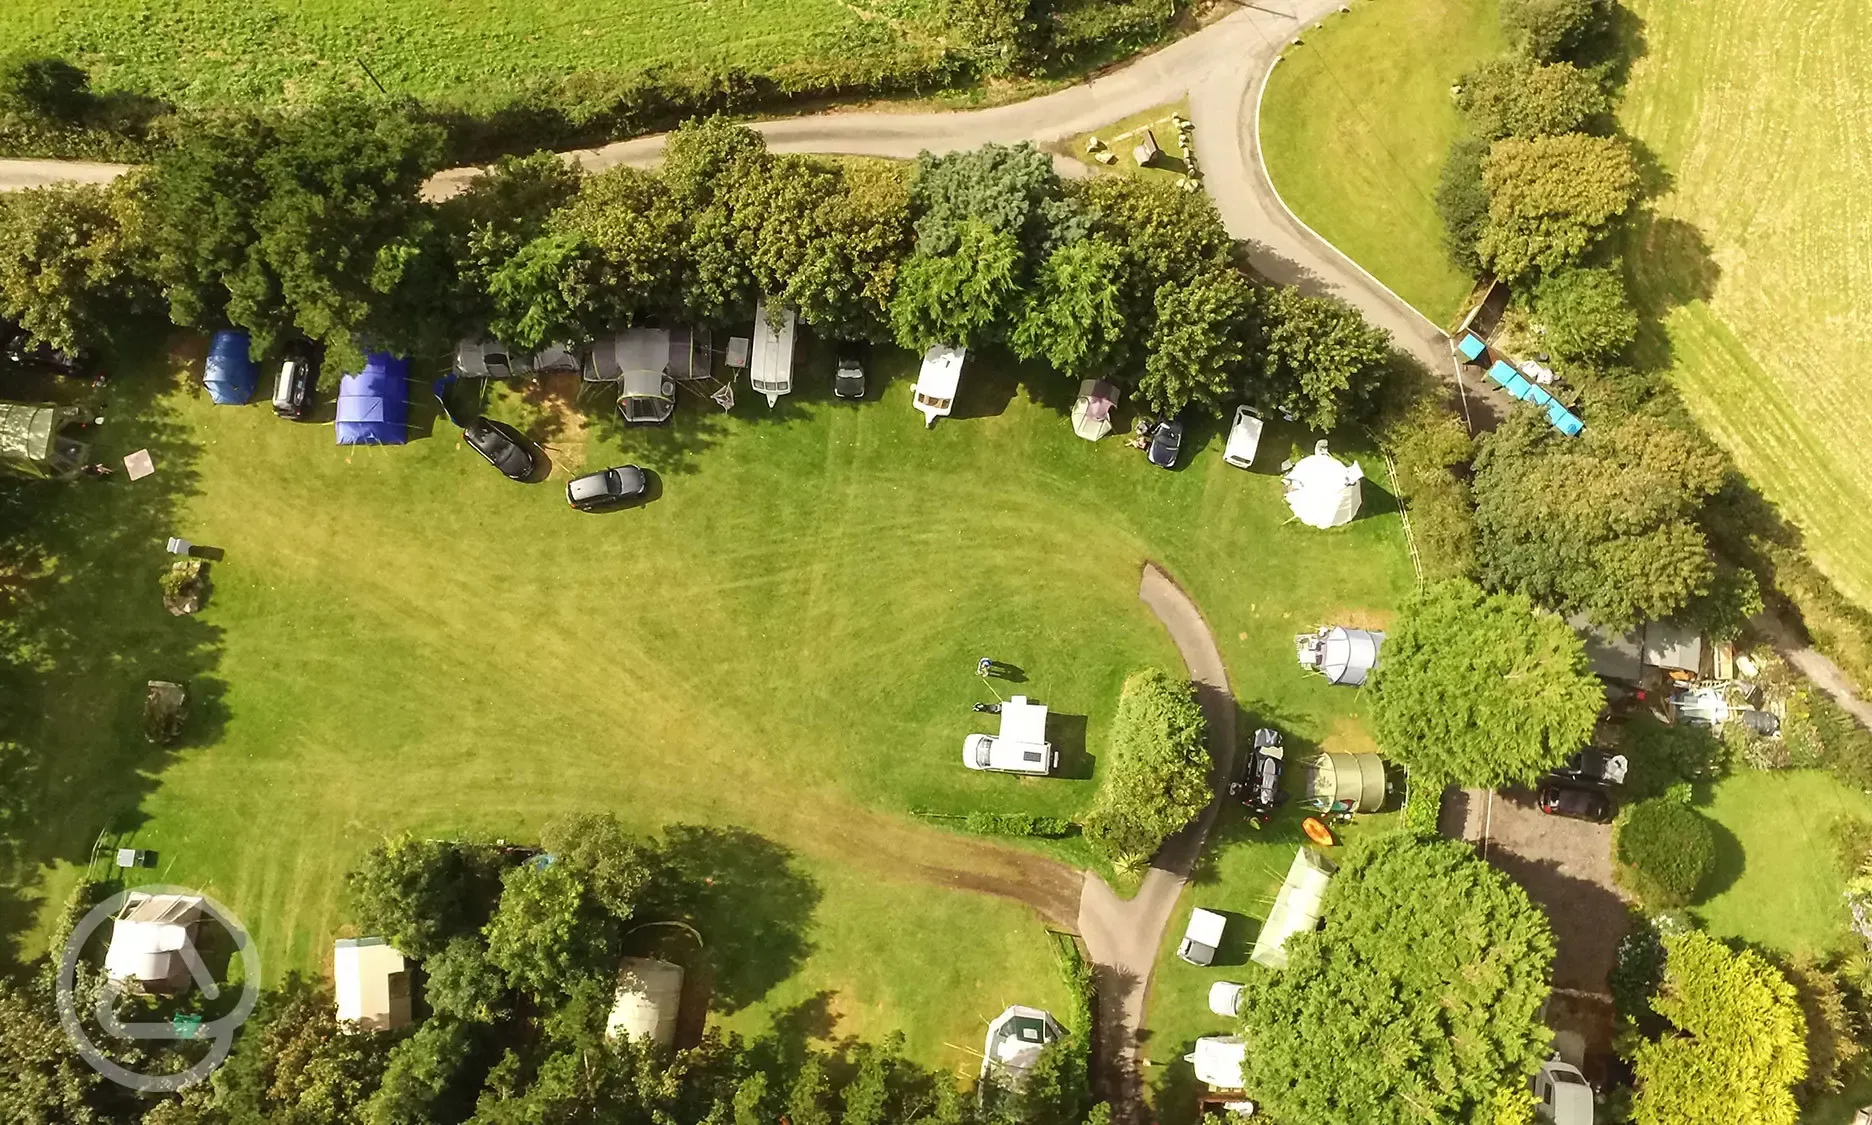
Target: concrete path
[
  {"x": 1815, "y": 665},
  {"x": 1123, "y": 935}
]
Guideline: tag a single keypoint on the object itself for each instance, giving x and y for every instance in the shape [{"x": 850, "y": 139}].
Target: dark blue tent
[
  {"x": 373, "y": 405},
  {"x": 229, "y": 373}
]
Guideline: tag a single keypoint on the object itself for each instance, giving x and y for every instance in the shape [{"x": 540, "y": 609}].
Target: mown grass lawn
[
  {"x": 783, "y": 640},
  {"x": 1777, "y": 882},
  {"x": 197, "y": 52},
  {"x": 1355, "y": 123}
]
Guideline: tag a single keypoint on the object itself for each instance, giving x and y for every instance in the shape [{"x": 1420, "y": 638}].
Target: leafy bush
[
  {"x": 1462, "y": 202},
  {"x": 1833, "y": 1028},
  {"x": 1819, "y": 734},
  {"x": 1663, "y": 849},
  {"x": 1639, "y": 967},
  {"x": 1423, "y": 805},
  {"x": 1659, "y": 756},
  {"x": 1431, "y": 450},
  {"x": 1158, "y": 778},
  {"x": 1016, "y": 824},
  {"x": 1518, "y": 97},
  {"x": 1585, "y": 314},
  {"x": 1549, "y": 29},
  {"x": 180, "y": 576},
  {"x": 1552, "y": 198},
  {"x": 1852, "y": 842}
]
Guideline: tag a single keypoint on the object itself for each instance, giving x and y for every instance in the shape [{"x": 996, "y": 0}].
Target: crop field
[
  {"x": 779, "y": 646},
  {"x": 197, "y": 52},
  {"x": 1759, "y": 258},
  {"x": 1354, "y": 126}
]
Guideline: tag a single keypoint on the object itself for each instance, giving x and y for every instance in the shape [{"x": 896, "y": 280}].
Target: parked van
[
  {"x": 1021, "y": 747},
  {"x": 1202, "y": 937}
]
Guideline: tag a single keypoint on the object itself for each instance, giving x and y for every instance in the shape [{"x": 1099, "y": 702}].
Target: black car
[
  {"x": 1259, "y": 789},
  {"x": 1575, "y": 802},
  {"x": 22, "y": 348},
  {"x": 505, "y": 448},
  {"x": 606, "y": 487},
  {"x": 297, "y": 379},
  {"x": 1166, "y": 441},
  {"x": 849, "y": 380}
]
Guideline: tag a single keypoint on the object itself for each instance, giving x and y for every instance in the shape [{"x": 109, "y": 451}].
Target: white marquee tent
[{"x": 1322, "y": 490}]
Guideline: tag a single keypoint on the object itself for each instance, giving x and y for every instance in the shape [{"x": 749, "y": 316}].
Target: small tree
[
  {"x": 548, "y": 935},
  {"x": 1322, "y": 362},
  {"x": 1550, "y": 29},
  {"x": 1585, "y": 314},
  {"x": 68, "y": 269},
  {"x": 1010, "y": 189},
  {"x": 1200, "y": 348},
  {"x": 418, "y": 893},
  {"x": 1073, "y": 316},
  {"x": 1418, "y": 999},
  {"x": 421, "y": 1079},
  {"x": 614, "y": 866},
  {"x": 964, "y": 297},
  {"x": 1665, "y": 850},
  {"x": 462, "y": 983},
  {"x": 1737, "y": 1046},
  {"x": 1551, "y": 198},
  {"x": 1158, "y": 776},
  {"x": 1481, "y": 689},
  {"x": 1518, "y": 97}
]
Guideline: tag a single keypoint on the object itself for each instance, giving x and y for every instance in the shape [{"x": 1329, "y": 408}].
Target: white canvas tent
[
  {"x": 937, "y": 382},
  {"x": 1297, "y": 907},
  {"x": 1092, "y": 410},
  {"x": 1218, "y": 1061},
  {"x": 1322, "y": 490},
  {"x": 152, "y": 939},
  {"x": 771, "y": 369},
  {"x": 1015, "y": 1039},
  {"x": 649, "y": 995},
  {"x": 371, "y": 981}
]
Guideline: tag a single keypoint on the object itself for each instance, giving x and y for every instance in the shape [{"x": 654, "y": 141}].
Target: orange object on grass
[{"x": 1317, "y": 832}]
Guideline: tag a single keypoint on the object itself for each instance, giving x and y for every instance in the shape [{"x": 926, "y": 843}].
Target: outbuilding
[
  {"x": 937, "y": 382},
  {"x": 1343, "y": 656},
  {"x": 152, "y": 939},
  {"x": 229, "y": 372},
  {"x": 1322, "y": 490},
  {"x": 770, "y": 371},
  {"x": 36, "y": 440},
  {"x": 373, "y": 405},
  {"x": 649, "y": 998},
  {"x": 1297, "y": 907},
  {"x": 1015, "y": 1039},
  {"x": 1092, "y": 410},
  {"x": 371, "y": 982}
]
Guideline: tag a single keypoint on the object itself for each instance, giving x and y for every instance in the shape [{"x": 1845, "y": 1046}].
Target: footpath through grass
[
  {"x": 1354, "y": 127},
  {"x": 783, "y": 640},
  {"x": 1759, "y": 257}
]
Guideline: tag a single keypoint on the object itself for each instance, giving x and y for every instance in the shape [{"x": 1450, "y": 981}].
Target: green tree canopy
[
  {"x": 499, "y": 212},
  {"x": 1584, "y": 314},
  {"x": 614, "y": 866},
  {"x": 1073, "y": 316},
  {"x": 1604, "y": 524},
  {"x": 1462, "y": 202},
  {"x": 1322, "y": 362},
  {"x": 460, "y": 982},
  {"x": 68, "y": 274},
  {"x": 418, "y": 893},
  {"x": 1551, "y": 198},
  {"x": 548, "y": 935},
  {"x": 1207, "y": 332},
  {"x": 44, "y": 87},
  {"x": 633, "y": 231},
  {"x": 1418, "y": 1000},
  {"x": 1737, "y": 1044},
  {"x": 1167, "y": 236},
  {"x": 1011, "y": 189},
  {"x": 1157, "y": 778},
  {"x": 1519, "y": 97},
  {"x": 1551, "y": 29},
  {"x": 1481, "y": 689},
  {"x": 43, "y": 1079},
  {"x": 546, "y": 291},
  {"x": 965, "y": 297},
  {"x": 422, "y": 1077}
]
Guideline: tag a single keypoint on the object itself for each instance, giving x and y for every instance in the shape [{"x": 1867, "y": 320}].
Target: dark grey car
[
  {"x": 606, "y": 487},
  {"x": 505, "y": 448},
  {"x": 1166, "y": 442}
]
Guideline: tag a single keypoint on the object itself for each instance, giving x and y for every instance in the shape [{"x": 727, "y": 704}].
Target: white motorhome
[
  {"x": 1562, "y": 1094},
  {"x": 771, "y": 369},
  {"x": 1021, "y": 747},
  {"x": 937, "y": 382}
]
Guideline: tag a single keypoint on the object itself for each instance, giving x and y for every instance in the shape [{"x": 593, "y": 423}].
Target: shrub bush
[
  {"x": 1016, "y": 824},
  {"x": 1519, "y": 97},
  {"x": 1550, "y": 29},
  {"x": 1585, "y": 314},
  {"x": 1659, "y": 756},
  {"x": 1852, "y": 842},
  {"x": 1663, "y": 849},
  {"x": 1432, "y": 450},
  {"x": 1462, "y": 202},
  {"x": 1423, "y": 804},
  {"x": 1158, "y": 778}
]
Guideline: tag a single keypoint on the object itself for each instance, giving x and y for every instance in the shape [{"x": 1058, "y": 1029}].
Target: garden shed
[
  {"x": 1297, "y": 907},
  {"x": 770, "y": 371},
  {"x": 1015, "y": 1039},
  {"x": 373, "y": 405},
  {"x": 1092, "y": 410},
  {"x": 229, "y": 372},
  {"x": 1322, "y": 490},
  {"x": 371, "y": 983},
  {"x": 1342, "y": 655},
  {"x": 149, "y": 937},
  {"x": 33, "y": 441},
  {"x": 1671, "y": 646},
  {"x": 1358, "y": 780},
  {"x": 649, "y": 996}
]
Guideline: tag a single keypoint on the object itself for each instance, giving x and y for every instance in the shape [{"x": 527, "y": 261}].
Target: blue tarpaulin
[
  {"x": 373, "y": 405},
  {"x": 229, "y": 372},
  {"x": 1502, "y": 373},
  {"x": 1471, "y": 347},
  {"x": 1565, "y": 420}
]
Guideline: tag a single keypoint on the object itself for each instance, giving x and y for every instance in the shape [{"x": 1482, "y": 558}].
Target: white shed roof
[
  {"x": 1322, "y": 490},
  {"x": 371, "y": 982}
]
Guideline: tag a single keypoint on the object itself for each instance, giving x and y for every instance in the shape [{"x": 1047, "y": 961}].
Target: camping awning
[
  {"x": 26, "y": 432},
  {"x": 1297, "y": 907}
]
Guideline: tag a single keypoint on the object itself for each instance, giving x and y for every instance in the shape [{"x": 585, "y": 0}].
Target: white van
[
  {"x": 1021, "y": 747},
  {"x": 1202, "y": 937}
]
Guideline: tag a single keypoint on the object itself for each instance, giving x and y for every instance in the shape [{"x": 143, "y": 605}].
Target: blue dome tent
[
  {"x": 229, "y": 373},
  {"x": 373, "y": 405}
]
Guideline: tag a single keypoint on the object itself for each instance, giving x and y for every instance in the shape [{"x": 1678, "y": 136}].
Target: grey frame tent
[
  {"x": 1342, "y": 655},
  {"x": 33, "y": 442},
  {"x": 490, "y": 359},
  {"x": 1298, "y": 907}
]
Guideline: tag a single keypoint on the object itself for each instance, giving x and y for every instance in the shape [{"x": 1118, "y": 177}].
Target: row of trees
[{"x": 314, "y": 224}]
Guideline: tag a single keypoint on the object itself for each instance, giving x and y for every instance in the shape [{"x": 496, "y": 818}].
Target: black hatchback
[
  {"x": 606, "y": 487},
  {"x": 1165, "y": 443},
  {"x": 505, "y": 448}
]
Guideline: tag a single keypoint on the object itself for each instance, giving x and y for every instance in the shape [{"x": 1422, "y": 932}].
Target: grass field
[
  {"x": 216, "y": 51},
  {"x": 1760, "y": 255},
  {"x": 1776, "y": 881},
  {"x": 783, "y": 640},
  {"x": 1354, "y": 126}
]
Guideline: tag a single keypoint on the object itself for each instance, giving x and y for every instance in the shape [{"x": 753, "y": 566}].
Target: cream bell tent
[
  {"x": 1322, "y": 490},
  {"x": 649, "y": 993},
  {"x": 1092, "y": 410},
  {"x": 372, "y": 984}
]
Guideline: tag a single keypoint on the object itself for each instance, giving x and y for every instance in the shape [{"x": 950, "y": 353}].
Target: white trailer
[
  {"x": 1021, "y": 747},
  {"x": 770, "y": 371},
  {"x": 937, "y": 382}
]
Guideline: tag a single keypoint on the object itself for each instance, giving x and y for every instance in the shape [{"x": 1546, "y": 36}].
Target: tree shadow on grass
[
  {"x": 83, "y": 628},
  {"x": 1730, "y": 862},
  {"x": 1068, "y": 735},
  {"x": 752, "y": 906}
]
